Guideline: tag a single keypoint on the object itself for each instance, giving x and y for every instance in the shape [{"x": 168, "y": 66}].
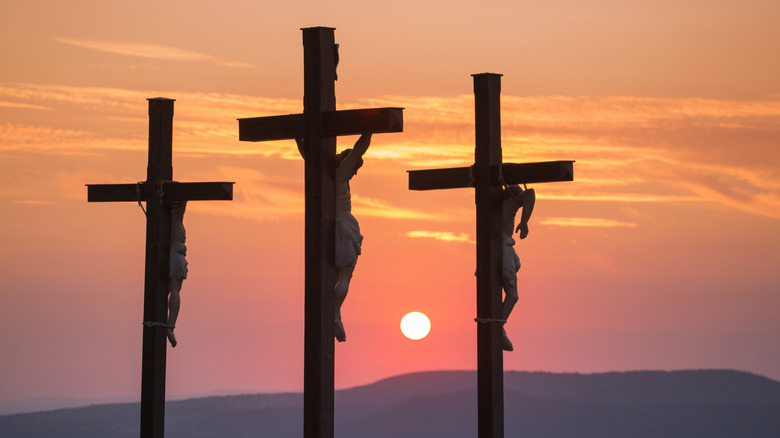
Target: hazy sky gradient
[{"x": 661, "y": 255}]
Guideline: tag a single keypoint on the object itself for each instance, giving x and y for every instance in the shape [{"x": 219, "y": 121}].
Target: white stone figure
[
  {"x": 177, "y": 271},
  {"x": 514, "y": 199},
  {"x": 348, "y": 237}
]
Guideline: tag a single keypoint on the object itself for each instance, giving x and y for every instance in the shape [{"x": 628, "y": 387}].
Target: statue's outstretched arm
[
  {"x": 347, "y": 166},
  {"x": 361, "y": 145},
  {"x": 528, "y": 200}
]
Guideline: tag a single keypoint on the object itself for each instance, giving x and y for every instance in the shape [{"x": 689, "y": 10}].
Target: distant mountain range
[{"x": 638, "y": 404}]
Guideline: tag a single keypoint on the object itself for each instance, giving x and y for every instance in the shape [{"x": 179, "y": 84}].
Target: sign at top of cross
[{"x": 315, "y": 130}]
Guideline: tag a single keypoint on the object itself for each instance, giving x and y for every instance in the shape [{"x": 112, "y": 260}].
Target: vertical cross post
[
  {"x": 159, "y": 191},
  {"x": 158, "y": 237},
  {"x": 488, "y": 190},
  {"x": 319, "y": 66}
]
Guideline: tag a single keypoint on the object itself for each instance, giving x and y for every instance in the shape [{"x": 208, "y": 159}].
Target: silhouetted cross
[
  {"x": 318, "y": 126},
  {"x": 487, "y": 176},
  {"x": 159, "y": 191}
]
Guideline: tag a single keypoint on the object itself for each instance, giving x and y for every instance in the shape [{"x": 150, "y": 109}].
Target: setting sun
[{"x": 415, "y": 325}]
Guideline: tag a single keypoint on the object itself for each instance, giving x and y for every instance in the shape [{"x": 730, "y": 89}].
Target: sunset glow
[{"x": 661, "y": 254}]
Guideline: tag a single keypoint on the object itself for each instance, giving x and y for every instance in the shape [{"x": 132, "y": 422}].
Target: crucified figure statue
[
  {"x": 348, "y": 237},
  {"x": 514, "y": 199},
  {"x": 177, "y": 271}
]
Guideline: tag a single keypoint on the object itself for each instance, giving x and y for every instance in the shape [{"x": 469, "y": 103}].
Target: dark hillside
[{"x": 688, "y": 404}]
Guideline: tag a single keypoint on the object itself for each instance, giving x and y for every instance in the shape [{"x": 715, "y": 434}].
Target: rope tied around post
[
  {"x": 157, "y": 324},
  {"x": 138, "y": 197},
  {"x": 489, "y": 320},
  {"x": 162, "y": 191}
]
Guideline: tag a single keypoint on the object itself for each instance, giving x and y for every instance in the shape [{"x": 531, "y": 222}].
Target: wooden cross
[
  {"x": 318, "y": 126},
  {"x": 159, "y": 191},
  {"x": 487, "y": 176}
]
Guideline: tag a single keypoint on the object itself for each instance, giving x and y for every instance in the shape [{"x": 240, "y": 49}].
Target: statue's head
[{"x": 513, "y": 190}]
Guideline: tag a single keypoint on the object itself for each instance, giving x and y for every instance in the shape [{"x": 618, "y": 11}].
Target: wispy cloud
[
  {"x": 598, "y": 262},
  {"x": 205, "y": 123},
  {"x": 258, "y": 196},
  {"x": 627, "y": 149},
  {"x": 589, "y": 222},
  {"x": 6, "y": 104},
  {"x": 444, "y": 236},
  {"x": 42, "y": 138},
  {"x": 33, "y": 202},
  {"x": 750, "y": 198},
  {"x": 628, "y": 198},
  {"x": 150, "y": 51},
  {"x": 365, "y": 206},
  {"x": 262, "y": 197},
  {"x": 111, "y": 100}
]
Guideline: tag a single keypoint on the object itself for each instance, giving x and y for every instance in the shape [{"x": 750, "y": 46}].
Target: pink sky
[{"x": 661, "y": 255}]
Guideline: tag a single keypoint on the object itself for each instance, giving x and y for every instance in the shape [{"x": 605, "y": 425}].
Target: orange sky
[{"x": 661, "y": 255}]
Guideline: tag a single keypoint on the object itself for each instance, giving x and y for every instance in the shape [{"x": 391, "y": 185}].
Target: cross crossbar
[
  {"x": 171, "y": 191},
  {"x": 334, "y": 123},
  {"x": 507, "y": 173}
]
